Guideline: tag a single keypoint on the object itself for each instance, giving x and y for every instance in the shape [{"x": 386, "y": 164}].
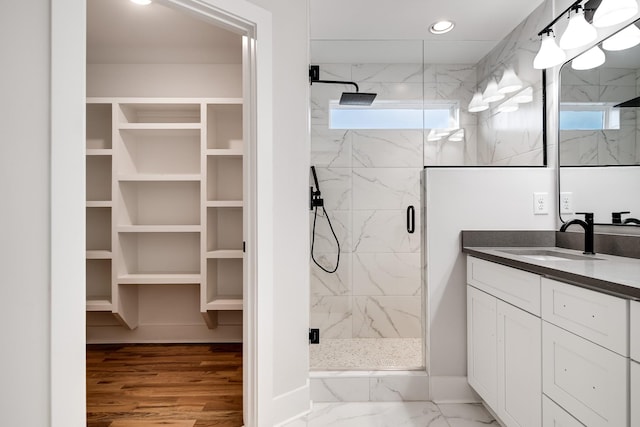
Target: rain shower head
[{"x": 347, "y": 98}]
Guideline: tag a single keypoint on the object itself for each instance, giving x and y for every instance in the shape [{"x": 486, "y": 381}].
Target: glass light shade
[
  {"x": 624, "y": 39},
  {"x": 578, "y": 33},
  {"x": 432, "y": 137},
  {"x": 510, "y": 82},
  {"x": 549, "y": 54},
  {"x": 508, "y": 107},
  {"x": 592, "y": 58},
  {"x": 491, "y": 93},
  {"x": 524, "y": 96},
  {"x": 477, "y": 104},
  {"x": 612, "y": 12},
  {"x": 457, "y": 136}
]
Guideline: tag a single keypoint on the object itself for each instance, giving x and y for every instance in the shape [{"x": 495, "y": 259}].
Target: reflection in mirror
[{"x": 599, "y": 135}]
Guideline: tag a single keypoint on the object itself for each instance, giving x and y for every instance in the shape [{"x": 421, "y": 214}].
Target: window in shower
[{"x": 394, "y": 115}]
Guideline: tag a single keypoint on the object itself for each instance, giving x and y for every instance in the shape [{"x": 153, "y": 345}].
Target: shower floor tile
[{"x": 366, "y": 354}]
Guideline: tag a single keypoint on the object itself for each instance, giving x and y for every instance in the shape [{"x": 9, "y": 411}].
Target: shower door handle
[{"x": 411, "y": 220}]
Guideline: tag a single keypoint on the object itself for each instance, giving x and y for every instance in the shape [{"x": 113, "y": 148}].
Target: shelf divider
[{"x": 159, "y": 279}]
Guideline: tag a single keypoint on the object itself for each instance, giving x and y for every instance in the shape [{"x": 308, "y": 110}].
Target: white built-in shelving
[{"x": 164, "y": 201}]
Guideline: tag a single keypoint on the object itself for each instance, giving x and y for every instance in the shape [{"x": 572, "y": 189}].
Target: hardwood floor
[{"x": 165, "y": 385}]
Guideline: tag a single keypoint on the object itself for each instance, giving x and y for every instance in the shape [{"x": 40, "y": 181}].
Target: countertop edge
[{"x": 599, "y": 285}]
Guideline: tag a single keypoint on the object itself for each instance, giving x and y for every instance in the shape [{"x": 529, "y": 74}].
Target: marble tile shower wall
[
  {"x": 515, "y": 138},
  {"x": 368, "y": 179},
  {"x": 606, "y": 147}
]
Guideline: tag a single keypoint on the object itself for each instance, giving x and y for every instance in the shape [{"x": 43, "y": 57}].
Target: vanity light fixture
[
  {"x": 579, "y": 32},
  {"x": 612, "y": 12},
  {"x": 457, "y": 136},
  {"x": 510, "y": 82},
  {"x": 524, "y": 96},
  {"x": 550, "y": 53},
  {"x": 592, "y": 58},
  {"x": 441, "y": 27},
  {"x": 491, "y": 93},
  {"x": 141, "y": 2},
  {"x": 624, "y": 39},
  {"x": 477, "y": 104}
]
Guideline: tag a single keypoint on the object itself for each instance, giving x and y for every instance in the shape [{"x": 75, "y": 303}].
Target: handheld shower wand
[{"x": 317, "y": 201}]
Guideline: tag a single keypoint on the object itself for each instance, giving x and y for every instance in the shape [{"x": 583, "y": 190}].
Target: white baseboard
[
  {"x": 452, "y": 389},
  {"x": 292, "y": 405}
]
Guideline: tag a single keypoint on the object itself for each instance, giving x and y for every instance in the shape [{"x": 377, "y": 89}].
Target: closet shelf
[
  {"x": 99, "y": 203},
  {"x": 99, "y": 304},
  {"x": 99, "y": 151},
  {"x": 231, "y": 152},
  {"x": 225, "y": 253},
  {"x": 159, "y": 228},
  {"x": 221, "y": 304},
  {"x": 160, "y": 177},
  {"x": 224, "y": 204},
  {"x": 159, "y": 126},
  {"x": 159, "y": 279},
  {"x": 99, "y": 254}
]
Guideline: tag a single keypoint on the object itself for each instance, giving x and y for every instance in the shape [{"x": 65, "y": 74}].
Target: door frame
[{"x": 67, "y": 204}]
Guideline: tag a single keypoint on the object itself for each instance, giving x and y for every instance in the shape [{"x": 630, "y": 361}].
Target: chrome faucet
[{"x": 587, "y": 224}]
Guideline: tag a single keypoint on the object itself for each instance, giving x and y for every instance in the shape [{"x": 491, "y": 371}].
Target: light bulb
[
  {"x": 510, "y": 82},
  {"x": 612, "y": 12},
  {"x": 578, "y": 33},
  {"x": 592, "y": 58},
  {"x": 491, "y": 93},
  {"x": 624, "y": 39},
  {"x": 477, "y": 104},
  {"x": 549, "y": 54}
]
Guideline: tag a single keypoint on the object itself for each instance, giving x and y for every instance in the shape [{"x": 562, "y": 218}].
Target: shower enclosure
[{"x": 371, "y": 312}]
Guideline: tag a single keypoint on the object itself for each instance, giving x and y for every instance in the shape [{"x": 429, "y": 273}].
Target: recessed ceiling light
[
  {"x": 441, "y": 27},
  {"x": 141, "y": 2}
]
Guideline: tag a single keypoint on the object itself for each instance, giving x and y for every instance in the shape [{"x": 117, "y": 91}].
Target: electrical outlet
[
  {"x": 566, "y": 203},
  {"x": 540, "y": 203}
]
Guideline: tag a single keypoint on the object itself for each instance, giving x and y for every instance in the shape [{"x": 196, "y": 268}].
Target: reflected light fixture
[
  {"x": 510, "y": 82},
  {"x": 612, "y": 12},
  {"x": 491, "y": 93},
  {"x": 508, "y": 107},
  {"x": 441, "y": 27},
  {"x": 592, "y": 58},
  {"x": 141, "y": 2},
  {"x": 624, "y": 39},
  {"x": 457, "y": 136},
  {"x": 525, "y": 96},
  {"x": 579, "y": 32},
  {"x": 432, "y": 137},
  {"x": 477, "y": 104},
  {"x": 549, "y": 54}
]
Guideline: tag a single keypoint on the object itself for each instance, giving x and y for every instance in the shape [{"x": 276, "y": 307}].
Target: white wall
[
  {"x": 290, "y": 228},
  {"x": 470, "y": 199},
  {"x": 24, "y": 186}
]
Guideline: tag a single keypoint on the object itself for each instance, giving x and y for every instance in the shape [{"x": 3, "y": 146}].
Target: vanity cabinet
[
  {"x": 635, "y": 362},
  {"x": 504, "y": 341}
]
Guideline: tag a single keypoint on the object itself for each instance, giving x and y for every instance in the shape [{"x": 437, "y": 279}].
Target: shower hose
[{"x": 313, "y": 240}]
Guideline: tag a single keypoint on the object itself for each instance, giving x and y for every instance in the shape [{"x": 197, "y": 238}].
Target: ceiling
[
  {"x": 480, "y": 25},
  {"x": 119, "y": 31}
]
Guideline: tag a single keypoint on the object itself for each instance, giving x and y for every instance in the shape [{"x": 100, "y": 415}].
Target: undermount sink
[{"x": 549, "y": 255}]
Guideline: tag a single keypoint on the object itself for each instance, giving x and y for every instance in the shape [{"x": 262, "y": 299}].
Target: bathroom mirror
[{"x": 599, "y": 136}]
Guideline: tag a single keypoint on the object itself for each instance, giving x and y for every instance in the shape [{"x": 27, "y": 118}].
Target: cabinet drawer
[
  {"x": 588, "y": 381},
  {"x": 555, "y": 416},
  {"x": 516, "y": 287},
  {"x": 635, "y": 394},
  {"x": 634, "y": 333},
  {"x": 592, "y": 315}
]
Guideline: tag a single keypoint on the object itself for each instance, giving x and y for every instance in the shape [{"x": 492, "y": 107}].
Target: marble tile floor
[
  {"x": 367, "y": 354},
  {"x": 396, "y": 414}
]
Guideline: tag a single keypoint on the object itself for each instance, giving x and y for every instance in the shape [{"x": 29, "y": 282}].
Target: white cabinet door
[
  {"x": 635, "y": 394},
  {"x": 634, "y": 335},
  {"x": 555, "y": 416},
  {"x": 519, "y": 367},
  {"x": 588, "y": 381},
  {"x": 481, "y": 341}
]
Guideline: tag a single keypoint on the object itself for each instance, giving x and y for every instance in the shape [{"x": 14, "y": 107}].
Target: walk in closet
[{"x": 165, "y": 179}]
